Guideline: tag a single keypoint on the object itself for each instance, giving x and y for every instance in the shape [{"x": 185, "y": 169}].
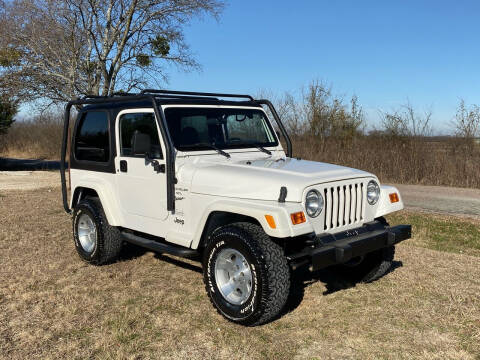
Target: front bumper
[{"x": 331, "y": 249}]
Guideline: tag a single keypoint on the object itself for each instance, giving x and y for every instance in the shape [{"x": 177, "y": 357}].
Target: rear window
[{"x": 92, "y": 137}]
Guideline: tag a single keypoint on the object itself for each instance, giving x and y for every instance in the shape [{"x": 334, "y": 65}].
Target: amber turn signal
[
  {"x": 394, "y": 198},
  {"x": 298, "y": 218},
  {"x": 271, "y": 221}
]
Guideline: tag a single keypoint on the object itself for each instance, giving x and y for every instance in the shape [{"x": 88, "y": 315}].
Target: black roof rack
[
  {"x": 89, "y": 96},
  {"x": 173, "y": 94},
  {"x": 195, "y": 94}
]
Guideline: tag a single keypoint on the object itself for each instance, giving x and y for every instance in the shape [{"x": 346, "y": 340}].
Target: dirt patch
[
  {"x": 53, "y": 305},
  {"x": 28, "y": 180}
]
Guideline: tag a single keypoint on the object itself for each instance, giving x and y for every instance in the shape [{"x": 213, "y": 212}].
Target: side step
[{"x": 153, "y": 245}]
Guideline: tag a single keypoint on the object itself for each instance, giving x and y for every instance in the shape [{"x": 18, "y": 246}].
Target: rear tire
[
  {"x": 253, "y": 286},
  {"x": 96, "y": 241}
]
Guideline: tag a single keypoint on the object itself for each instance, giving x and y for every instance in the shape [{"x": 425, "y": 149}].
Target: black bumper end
[{"x": 332, "y": 249}]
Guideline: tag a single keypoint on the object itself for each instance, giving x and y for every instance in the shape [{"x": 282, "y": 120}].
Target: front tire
[
  {"x": 246, "y": 274},
  {"x": 96, "y": 241}
]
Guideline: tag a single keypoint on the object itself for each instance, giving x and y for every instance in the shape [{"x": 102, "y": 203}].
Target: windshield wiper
[
  {"x": 259, "y": 147},
  {"x": 211, "y": 146}
]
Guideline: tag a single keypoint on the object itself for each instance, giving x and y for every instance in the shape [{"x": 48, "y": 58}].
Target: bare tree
[
  {"x": 318, "y": 113},
  {"x": 287, "y": 108},
  {"x": 293, "y": 114},
  {"x": 406, "y": 121},
  {"x": 328, "y": 115},
  {"x": 467, "y": 121},
  {"x": 60, "y": 49}
]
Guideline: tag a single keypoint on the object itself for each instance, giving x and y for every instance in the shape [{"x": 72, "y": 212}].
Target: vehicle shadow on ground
[
  {"x": 181, "y": 263},
  {"x": 300, "y": 279},
  {"x": 131, "y": 251},
  {"x": 333, "y": 280}
]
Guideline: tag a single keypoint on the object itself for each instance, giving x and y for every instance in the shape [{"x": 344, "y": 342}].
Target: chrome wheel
[
  {"x": 233, "y": 276},
  {"x": 87, "y": 232}
]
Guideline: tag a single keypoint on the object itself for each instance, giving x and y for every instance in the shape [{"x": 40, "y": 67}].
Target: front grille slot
[{"x": 344, "y": 205}]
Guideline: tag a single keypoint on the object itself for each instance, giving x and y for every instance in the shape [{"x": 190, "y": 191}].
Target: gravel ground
[
  {"x": 28, "y": 180},
  {"x": 441, "y": 199}
]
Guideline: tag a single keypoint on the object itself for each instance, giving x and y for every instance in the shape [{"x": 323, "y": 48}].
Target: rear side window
[
  {"x": 143, "y": 123},
  {"x": 92, "y": 138}
]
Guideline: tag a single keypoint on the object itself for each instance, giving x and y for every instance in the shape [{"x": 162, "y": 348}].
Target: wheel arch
[
  {"x": 80, "y": 192},
  {"x": 218, "y": 218}
]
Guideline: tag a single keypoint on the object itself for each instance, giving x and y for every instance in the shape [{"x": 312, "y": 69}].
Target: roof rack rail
[
  {"x": 194, "y": 93},
  {"x": 121, "y": 93},
  {"x": 167, "y": 96},
  {"x": 91, "y": 96},
  {"x": 117, "y": 93}
]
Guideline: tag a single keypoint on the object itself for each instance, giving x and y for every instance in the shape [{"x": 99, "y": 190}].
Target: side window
[
  {"x": 92, "y": 137},
  {"x": 143, "y": 123}
]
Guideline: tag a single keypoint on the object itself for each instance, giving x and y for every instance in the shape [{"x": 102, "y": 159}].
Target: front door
[{"x": 142, "y": 189}]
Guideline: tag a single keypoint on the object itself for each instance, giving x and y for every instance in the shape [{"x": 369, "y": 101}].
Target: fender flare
[{"x": 107, "y": 199}]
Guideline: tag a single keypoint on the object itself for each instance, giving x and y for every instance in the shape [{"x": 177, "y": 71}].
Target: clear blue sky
[{"x": 382, "y": 51}]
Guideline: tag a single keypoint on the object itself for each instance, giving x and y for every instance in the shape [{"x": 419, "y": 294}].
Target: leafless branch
[{"x": 62, "y": 49}]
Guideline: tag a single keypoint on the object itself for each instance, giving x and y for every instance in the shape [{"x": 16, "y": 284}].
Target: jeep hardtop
[{"x": 202, "y": 175}]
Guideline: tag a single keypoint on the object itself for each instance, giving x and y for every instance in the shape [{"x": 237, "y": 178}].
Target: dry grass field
[
  {"x": 404, "y": 160},
  {"x": 147, "y": 306}
]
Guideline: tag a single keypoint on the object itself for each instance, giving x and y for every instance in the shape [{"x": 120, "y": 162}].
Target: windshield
[{"x": 198, "y": 128}]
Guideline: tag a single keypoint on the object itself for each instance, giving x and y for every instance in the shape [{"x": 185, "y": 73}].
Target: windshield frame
[{"x": 232, "y": 146}]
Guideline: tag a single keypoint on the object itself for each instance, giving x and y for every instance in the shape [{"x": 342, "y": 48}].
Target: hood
[{"x": 262, "y": 179}]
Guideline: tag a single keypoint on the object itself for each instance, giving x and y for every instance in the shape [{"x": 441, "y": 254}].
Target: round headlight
[
  {"x": 313, "y": 203},
  {"x": 373, "y": 192}
]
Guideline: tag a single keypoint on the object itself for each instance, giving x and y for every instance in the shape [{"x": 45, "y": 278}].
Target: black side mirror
[
  {"x": 141, "y": 143},
  {"x": 159, "y": 168}
]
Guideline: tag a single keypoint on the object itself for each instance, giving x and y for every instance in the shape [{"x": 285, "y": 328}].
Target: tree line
[
  {"x": 320, "y": 114},
  {"x": 54, "y": 50}
]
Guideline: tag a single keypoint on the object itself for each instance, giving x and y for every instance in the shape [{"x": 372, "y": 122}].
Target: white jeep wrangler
[{"x": 192, "y": 175}]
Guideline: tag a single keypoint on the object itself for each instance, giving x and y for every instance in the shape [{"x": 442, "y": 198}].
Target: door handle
[{"x": 123, "y": 166}]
